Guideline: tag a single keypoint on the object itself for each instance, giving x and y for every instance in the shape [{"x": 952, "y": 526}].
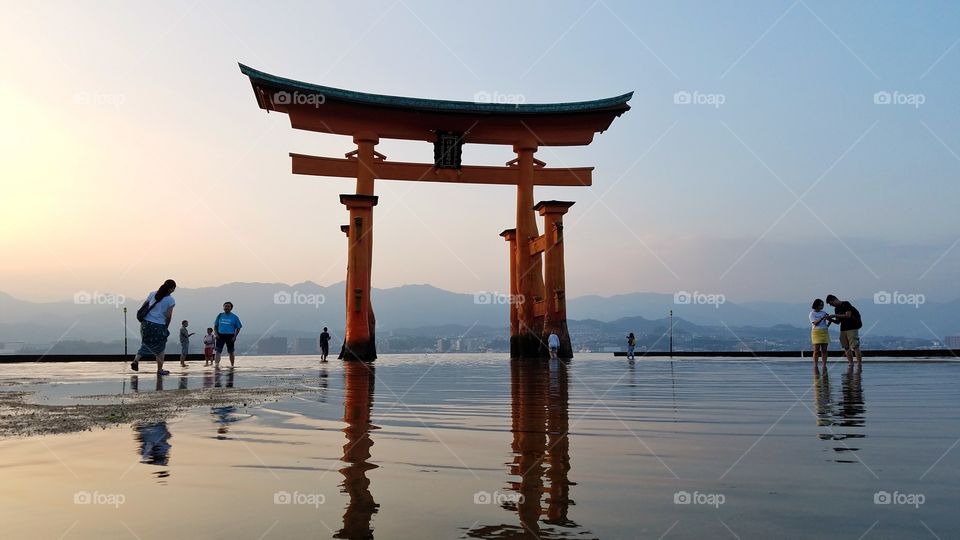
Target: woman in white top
[
  {"x": 819, "y": 334},
  {"x": 155, "y": 328}
]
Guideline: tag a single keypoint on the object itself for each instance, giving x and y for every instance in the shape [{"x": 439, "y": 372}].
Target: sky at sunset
[{"x": 775, "y": 150}]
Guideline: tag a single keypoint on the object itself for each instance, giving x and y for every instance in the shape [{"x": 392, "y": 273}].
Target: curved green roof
[{"x": 618, "y": 103}]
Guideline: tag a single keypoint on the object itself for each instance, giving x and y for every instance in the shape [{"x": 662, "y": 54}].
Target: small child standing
[
  {"x": 209, "y": 340},
  {"x": 184, "y": 342}
]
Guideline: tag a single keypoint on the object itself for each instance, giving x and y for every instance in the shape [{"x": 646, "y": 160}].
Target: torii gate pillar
[
  {"x": 358, "y": 342},
  {"x": 555, "y": 303},
  {"x": 529, "y": 269},
  {"x": 510, "y": 235}
]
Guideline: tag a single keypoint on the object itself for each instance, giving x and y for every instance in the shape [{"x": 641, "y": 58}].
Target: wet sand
[{"x": 475, "y": 446}]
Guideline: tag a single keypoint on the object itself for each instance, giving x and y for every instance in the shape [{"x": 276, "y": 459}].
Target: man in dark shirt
[
  {"x": 850, "y": 324},
  {"x": 324, "y": 344}
]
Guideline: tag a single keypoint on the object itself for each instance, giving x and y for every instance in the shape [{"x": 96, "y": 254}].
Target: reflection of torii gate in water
[{"x": 537, "y": 289}]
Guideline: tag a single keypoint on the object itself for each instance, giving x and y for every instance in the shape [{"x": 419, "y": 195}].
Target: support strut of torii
[{"x": 537, "y": 283}]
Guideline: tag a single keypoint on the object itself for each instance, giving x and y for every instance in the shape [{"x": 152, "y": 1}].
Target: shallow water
[{"x": 476, "y": 446}]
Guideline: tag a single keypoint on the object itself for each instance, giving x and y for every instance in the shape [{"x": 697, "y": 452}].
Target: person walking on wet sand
[
  {"x": 850, "y": 324},
  {"x": 553, "y": 343},
  {"x": 155, "y": 315},
  {"x": 631, "y": 344},
  {"x": 226, "y": 327},
  {"x": 184, "y": 343},
  {"x": 324, "y": 344},
  {"x": 819, "y": 334}
]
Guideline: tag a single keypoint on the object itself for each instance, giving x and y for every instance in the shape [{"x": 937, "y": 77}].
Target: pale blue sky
[{"x": 115, "y": 107}]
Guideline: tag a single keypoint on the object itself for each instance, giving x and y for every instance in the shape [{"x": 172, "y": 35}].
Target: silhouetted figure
[{"x": 324, "y": 344}]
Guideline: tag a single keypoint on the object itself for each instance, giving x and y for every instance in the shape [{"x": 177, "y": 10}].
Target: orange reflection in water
[
  {"x": 359, "y": 378},
  {"x": 539, "y": 399}
]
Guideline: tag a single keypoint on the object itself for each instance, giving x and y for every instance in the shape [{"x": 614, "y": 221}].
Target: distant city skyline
[{"x": 774, "y": 151}]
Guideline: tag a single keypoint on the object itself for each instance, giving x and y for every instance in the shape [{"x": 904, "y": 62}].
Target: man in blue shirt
[{"x": 226, "y": 328}]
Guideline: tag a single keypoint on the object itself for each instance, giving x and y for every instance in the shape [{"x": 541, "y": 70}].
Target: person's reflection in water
[
  {"x": 824, "y": 402},
  {"x": 183, "y": 382},
  {"x": 844, "y": 418},
  {"x": 135, "y": 384},
  {"x": 558, "y": 446},
  {"x": 539, "y": 393},
  {"x": 159, "y": 387},
  {"x": 357, "y": 404},
  {"x": 324, "y": 384},
  {"x": 852, "y": 407},
  {"x": 223, "y": 417},
  {"x": 153, "y": 440}
]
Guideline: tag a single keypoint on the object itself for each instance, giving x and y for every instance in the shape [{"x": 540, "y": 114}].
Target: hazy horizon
[
  {"x": 774, "y": 151},
  {"x": 135, "y": 297}
]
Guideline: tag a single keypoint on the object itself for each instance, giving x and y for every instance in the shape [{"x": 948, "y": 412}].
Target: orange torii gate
[{"x": 537, "y": 288}]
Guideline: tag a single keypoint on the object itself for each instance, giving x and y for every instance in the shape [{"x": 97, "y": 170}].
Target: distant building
[
  {"x": 443, "y": 345},
  {"x": 272, "y": 345},
  {"x": 306, "y": 346},
  {"x": 953, "y": 342}
]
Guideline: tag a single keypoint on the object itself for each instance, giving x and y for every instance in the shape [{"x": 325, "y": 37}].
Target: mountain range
[{"x": 304, "y": 308}]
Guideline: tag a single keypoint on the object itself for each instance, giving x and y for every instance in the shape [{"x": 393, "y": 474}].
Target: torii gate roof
[{"x": 326, "y": 109}]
